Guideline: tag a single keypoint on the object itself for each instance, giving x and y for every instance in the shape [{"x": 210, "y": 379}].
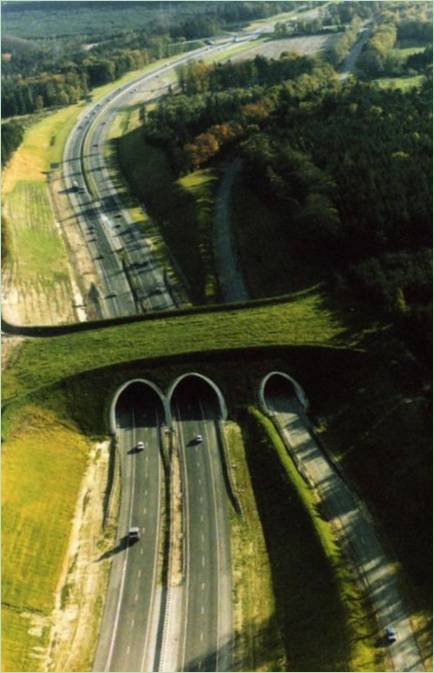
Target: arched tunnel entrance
[
  {"x": 279, "y": 392},
  {"x": 197, "y": 398},
  {"x": 137, "y": 404}
]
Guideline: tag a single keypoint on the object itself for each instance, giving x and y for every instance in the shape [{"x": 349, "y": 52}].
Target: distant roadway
[{"x": 131, "y": 280}]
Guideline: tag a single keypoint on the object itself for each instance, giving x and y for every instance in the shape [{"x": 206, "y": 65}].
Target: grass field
[
  {"x": 315, "y": 589},
  {"x": 402, "y": 83},
  {"x": 42, "y": 467}
]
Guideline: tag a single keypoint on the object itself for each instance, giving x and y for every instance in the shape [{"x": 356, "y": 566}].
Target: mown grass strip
[{"x": 326, "y": 625}]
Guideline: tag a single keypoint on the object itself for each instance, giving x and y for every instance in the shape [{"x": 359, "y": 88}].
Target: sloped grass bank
[
  {"x": 306, "y": 320},
  {"x": 44, "y": 459},
  {"x": 325, "y": 623},
  {"x": 182, "y": 209}
]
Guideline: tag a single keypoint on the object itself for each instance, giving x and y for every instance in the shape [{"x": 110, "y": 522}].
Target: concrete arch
[
  {"x": 125, "y": 385},
  {"x": 214, "y": 386},
  {"x": 297, "y": 387}
]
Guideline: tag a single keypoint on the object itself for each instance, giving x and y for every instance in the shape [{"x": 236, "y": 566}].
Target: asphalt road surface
[
  {"x": 358, "y": 530},
  {"x": 206, "y": 637},
  {"x": 129, "y": 629},
  {"x": 131, "y": 280}
]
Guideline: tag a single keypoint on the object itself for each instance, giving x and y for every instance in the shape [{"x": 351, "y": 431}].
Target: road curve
[
  {"x": 358, "y": 530},
  {"x": 131, "y": 280}
]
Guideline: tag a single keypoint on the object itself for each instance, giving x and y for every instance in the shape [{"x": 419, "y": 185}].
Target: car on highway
[
  {"x": 140, "y": 446},
  {"x": 390, "y": 634},
  {"x": 198, "y": 439},
  {"x": 134, "y": 534}
]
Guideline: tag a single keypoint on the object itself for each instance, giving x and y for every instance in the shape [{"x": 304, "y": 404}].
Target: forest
[{"x": 347, "y": 165}]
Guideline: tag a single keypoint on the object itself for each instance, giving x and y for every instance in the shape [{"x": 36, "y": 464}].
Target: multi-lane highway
[
  {"x": 149, "y": 622},
  {"x": 131, "y": 280},
  {"x": 128, "y": 632},
  {"x": 206, "y": 637}
]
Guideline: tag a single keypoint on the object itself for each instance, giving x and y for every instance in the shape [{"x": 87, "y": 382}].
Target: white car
[
  {"x": 134, "y": 533},
  {"x": 198, "y": 439},
  {"x": 140, "y": 446}
]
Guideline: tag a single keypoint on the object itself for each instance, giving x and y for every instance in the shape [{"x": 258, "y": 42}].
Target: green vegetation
[
  {"x": 259, "y": 230},
  {"x": 43, "y": 463},
  {"x": 305, "y": 320},
  {"x": 34, "y": 241},
  {"x": 258, "y": 644},
  {"x": 400, "y": 83},
  {"x": 315, "y": 589},
  {"x": 182, "y": 209}
]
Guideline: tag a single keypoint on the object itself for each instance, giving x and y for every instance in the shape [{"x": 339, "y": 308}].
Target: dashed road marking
[
  {"x": 132, "y": 621},
  {"x": 139, "y": 574},
  {"x": 136, "y": 597},
  {"x": 202, "y": 537},
  {"x": 201, "y": 517},
  {"x": 201, "y": 636},
  {"x": 128, "y": 649},
  {"x": 144, "y": 510},
  {"x": 142, "y": 551},
  {"x": 202, "y": 610},
  {"x": 203, "y": 586},
  {"x": 203, "y": 561}
]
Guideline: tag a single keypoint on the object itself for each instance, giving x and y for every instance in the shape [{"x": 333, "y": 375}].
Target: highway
[
  {"x": 206, "y": 636},
  {"x": 131, "y": 280},
  {"x": 357, "y": 530},
  {"x": 128, "y": 632}
]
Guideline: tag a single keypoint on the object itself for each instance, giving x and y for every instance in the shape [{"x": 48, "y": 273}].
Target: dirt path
[{"x": 228, "y": 269}]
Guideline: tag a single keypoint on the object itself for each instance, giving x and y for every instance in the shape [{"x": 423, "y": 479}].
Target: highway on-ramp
[{"x": 358, "y": 531}]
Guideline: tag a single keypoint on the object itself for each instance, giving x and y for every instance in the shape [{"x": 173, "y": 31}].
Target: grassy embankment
[
  {"x": 43, "y": 464},
  {"x": 36, "y": 254},
  {"x": 325, "y": 621},
  {"x": 258, "y": 644},
  {"x": 182, "y": 210}
]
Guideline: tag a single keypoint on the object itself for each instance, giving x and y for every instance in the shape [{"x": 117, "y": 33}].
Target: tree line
[
  {"x": 346, "y": 164},
  {"x": 11, "y": 136}
]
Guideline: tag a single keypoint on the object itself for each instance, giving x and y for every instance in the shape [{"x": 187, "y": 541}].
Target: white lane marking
[
  {"x": 124, "y": 569},
  {"x": 146, "y": 491},
  {"x": 199, "y": 481},
  {"x": 203, "y": 586},
  {"x": 203, "y": 561},
  {"x": 128, "y": 649},
  {"x": 201, "y": 636},
  {"x": 201, "y": 517},
  {"x": 216, "y": 519},
  {"x": 132, "y": 621},
  {"x": 201, "y": 499},
  {"x": 144, "y": 510},
  {"x": 139, "y": 574},
  {"x": 136, "y": 597},
  {"x": 202, "y": 610},
  {"x": 142, "y": 551},
  {"x": 202, "y": 537}
]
